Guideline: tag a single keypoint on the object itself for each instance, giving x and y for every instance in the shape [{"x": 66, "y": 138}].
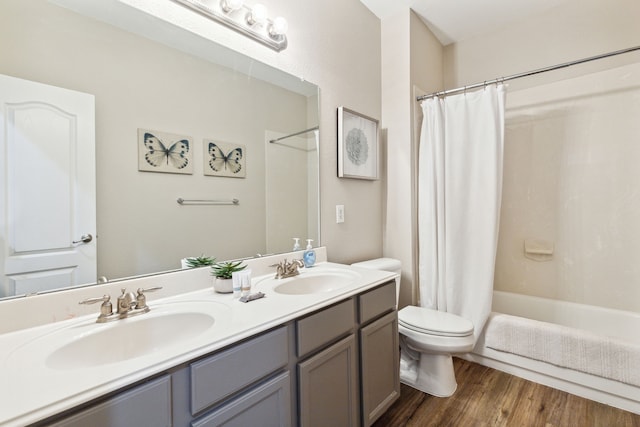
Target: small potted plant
[
  {"x": 199, "y": 261},
  {"x": 223, "y": 272}
]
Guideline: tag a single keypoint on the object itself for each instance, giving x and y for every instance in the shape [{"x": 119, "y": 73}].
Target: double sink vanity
[{"x": 319, "y": 349}]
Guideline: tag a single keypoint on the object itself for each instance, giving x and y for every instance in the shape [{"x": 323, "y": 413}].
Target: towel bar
[{"x": 182, "y": 201}]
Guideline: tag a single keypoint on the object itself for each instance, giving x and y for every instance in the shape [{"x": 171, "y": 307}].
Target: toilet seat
[{"x": 432, "y": 322}]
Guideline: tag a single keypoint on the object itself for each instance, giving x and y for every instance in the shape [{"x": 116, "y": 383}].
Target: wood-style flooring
[{"x": 487, "y": 397}]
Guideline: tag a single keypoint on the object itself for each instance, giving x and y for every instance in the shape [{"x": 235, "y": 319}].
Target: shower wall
[{"x": 572, "y": 179}]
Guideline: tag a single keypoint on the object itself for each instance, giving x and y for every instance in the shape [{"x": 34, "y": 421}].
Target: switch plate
[{"x": 339, "y": 214}]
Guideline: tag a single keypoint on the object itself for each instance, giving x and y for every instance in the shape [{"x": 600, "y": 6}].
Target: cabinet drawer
[
  {"x": 325, "y": 326},
  {"x": 377, "y": 301},
  {"x": 227, "y": 372},
  {"x": 145, "y": 405}
]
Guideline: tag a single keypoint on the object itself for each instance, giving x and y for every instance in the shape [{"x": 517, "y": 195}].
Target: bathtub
[{"x": 599, "y": 326}]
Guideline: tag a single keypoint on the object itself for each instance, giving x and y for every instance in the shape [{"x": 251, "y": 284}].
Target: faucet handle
[
  {"x": 155, "y": 288},
  {"x": 106, "y": 309},
  {"x": 104, "y": 298},
  {"x": 279, "y": 268},
  {"x": 141, "y": 299}
]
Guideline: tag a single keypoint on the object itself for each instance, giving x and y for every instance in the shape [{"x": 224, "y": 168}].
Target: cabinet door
[
  {"x": 148, "y": 405},
  {"x": 379, "y": 356},
  {"x": 328, "y": 386},
  {"x": 268, "y": 405}
]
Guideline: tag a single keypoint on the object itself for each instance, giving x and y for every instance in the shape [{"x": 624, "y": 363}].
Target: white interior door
[{"x": 47, "y": 187}]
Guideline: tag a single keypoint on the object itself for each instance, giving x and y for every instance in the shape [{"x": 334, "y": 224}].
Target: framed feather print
[
  {"x": 164, "y": 152},
  {"x": 357, "y": 145},
  {"x": 224, "y": 159}
]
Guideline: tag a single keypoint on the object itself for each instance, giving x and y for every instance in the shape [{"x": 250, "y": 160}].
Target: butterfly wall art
[
  {"x": 164, "y": 152},
  {"x": 224, "y": 159}
]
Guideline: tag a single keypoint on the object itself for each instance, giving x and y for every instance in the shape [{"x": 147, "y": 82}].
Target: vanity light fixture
[
  {"x": 258, "y": 15},
  {"x": 228, "y": 6},
  {"x": 250, "y": 21},
  {"x": 279, "y": 27}
]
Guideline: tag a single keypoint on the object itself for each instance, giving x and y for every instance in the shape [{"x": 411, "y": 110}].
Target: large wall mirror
[{"x": 140, "y": 83}]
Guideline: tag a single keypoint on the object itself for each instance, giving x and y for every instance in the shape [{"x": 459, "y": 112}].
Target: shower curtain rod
[
  {"x": 526, "y": 74},
  {"x": 294, "y": 134}
]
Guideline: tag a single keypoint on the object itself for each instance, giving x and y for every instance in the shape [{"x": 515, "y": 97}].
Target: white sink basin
[
  {"x": 125, "y": 341},
  {"x": 313, "y": 282},
  {"x": 90, "y": 344}
]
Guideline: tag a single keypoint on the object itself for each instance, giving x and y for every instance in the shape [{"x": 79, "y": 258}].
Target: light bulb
[
  {"x": 231, "y": 5},
  {"x": 258, "y": 15},
  {"x": 279, "y": 27}
]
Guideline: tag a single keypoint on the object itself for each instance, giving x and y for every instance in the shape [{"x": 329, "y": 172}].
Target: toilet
[{"x": 428, "y": 338}]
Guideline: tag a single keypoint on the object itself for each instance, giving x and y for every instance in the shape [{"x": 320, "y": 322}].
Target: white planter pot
[{"x": 224, "y": 286}]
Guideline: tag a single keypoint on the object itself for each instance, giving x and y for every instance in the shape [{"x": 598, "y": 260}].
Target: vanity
[
  {"x": 317, "y": 355},
  {"x": 319, "y": 349}
]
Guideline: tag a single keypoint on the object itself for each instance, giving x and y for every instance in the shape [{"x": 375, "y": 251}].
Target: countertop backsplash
[{"x": 27, "y": 312}]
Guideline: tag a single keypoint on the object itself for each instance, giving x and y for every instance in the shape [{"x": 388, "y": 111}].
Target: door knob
[{"x": 85, "y": 238}]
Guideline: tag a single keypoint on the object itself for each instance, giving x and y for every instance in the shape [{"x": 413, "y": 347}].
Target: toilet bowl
[{"x": 428, "y": 338}]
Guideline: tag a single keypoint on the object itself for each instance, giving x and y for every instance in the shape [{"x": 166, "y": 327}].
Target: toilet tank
[{"x": 384, "y": 264}]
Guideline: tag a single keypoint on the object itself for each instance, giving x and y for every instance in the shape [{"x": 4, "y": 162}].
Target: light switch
[{"x": 339, "y": 214}]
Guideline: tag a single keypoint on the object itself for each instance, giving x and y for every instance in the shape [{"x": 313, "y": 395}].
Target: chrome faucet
[
  {"x": 126, "y": 302},
  {"x": 129, "y": 304},
  {"x": 286, "y": 269}
]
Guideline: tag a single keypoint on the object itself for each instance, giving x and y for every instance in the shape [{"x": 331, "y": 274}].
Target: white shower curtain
[{"x": 460, "y": 183}]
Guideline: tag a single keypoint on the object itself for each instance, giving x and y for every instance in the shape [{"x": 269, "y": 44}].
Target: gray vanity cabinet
[
  {"x": 337, "y": 366},
  {"x": 328, "y": 392},
  {"x": 348, "y": 369},
  {"x": 379, "y": 355},
  {"x": 246, "y": 384},
  {"x": 146, "y": 405}
]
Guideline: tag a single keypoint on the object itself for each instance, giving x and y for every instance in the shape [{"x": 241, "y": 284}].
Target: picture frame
[
  {"x": 224, "y": 159},
  {"x": 164, "y": 152},
  {"x": 358, "y": 146}
]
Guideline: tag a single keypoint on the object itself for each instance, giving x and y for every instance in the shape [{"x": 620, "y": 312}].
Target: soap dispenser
[
  {"x": 309, "y": 255},
  {"x": 296, "y": 244}
]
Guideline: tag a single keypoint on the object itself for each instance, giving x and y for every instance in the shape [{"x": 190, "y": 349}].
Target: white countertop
[{"x": 31, "y": 391}]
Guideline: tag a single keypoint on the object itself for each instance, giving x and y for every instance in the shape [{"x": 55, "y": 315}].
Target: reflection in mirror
[
  {"x": 142, "y": 84},
  {"x": 291, "y": 181}
]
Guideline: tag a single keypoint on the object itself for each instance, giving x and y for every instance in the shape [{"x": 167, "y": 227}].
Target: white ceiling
[{"x": 456, "y": 20}]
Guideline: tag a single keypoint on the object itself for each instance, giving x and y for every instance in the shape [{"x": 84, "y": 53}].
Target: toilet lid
[{"x": 428, "y": 321}]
